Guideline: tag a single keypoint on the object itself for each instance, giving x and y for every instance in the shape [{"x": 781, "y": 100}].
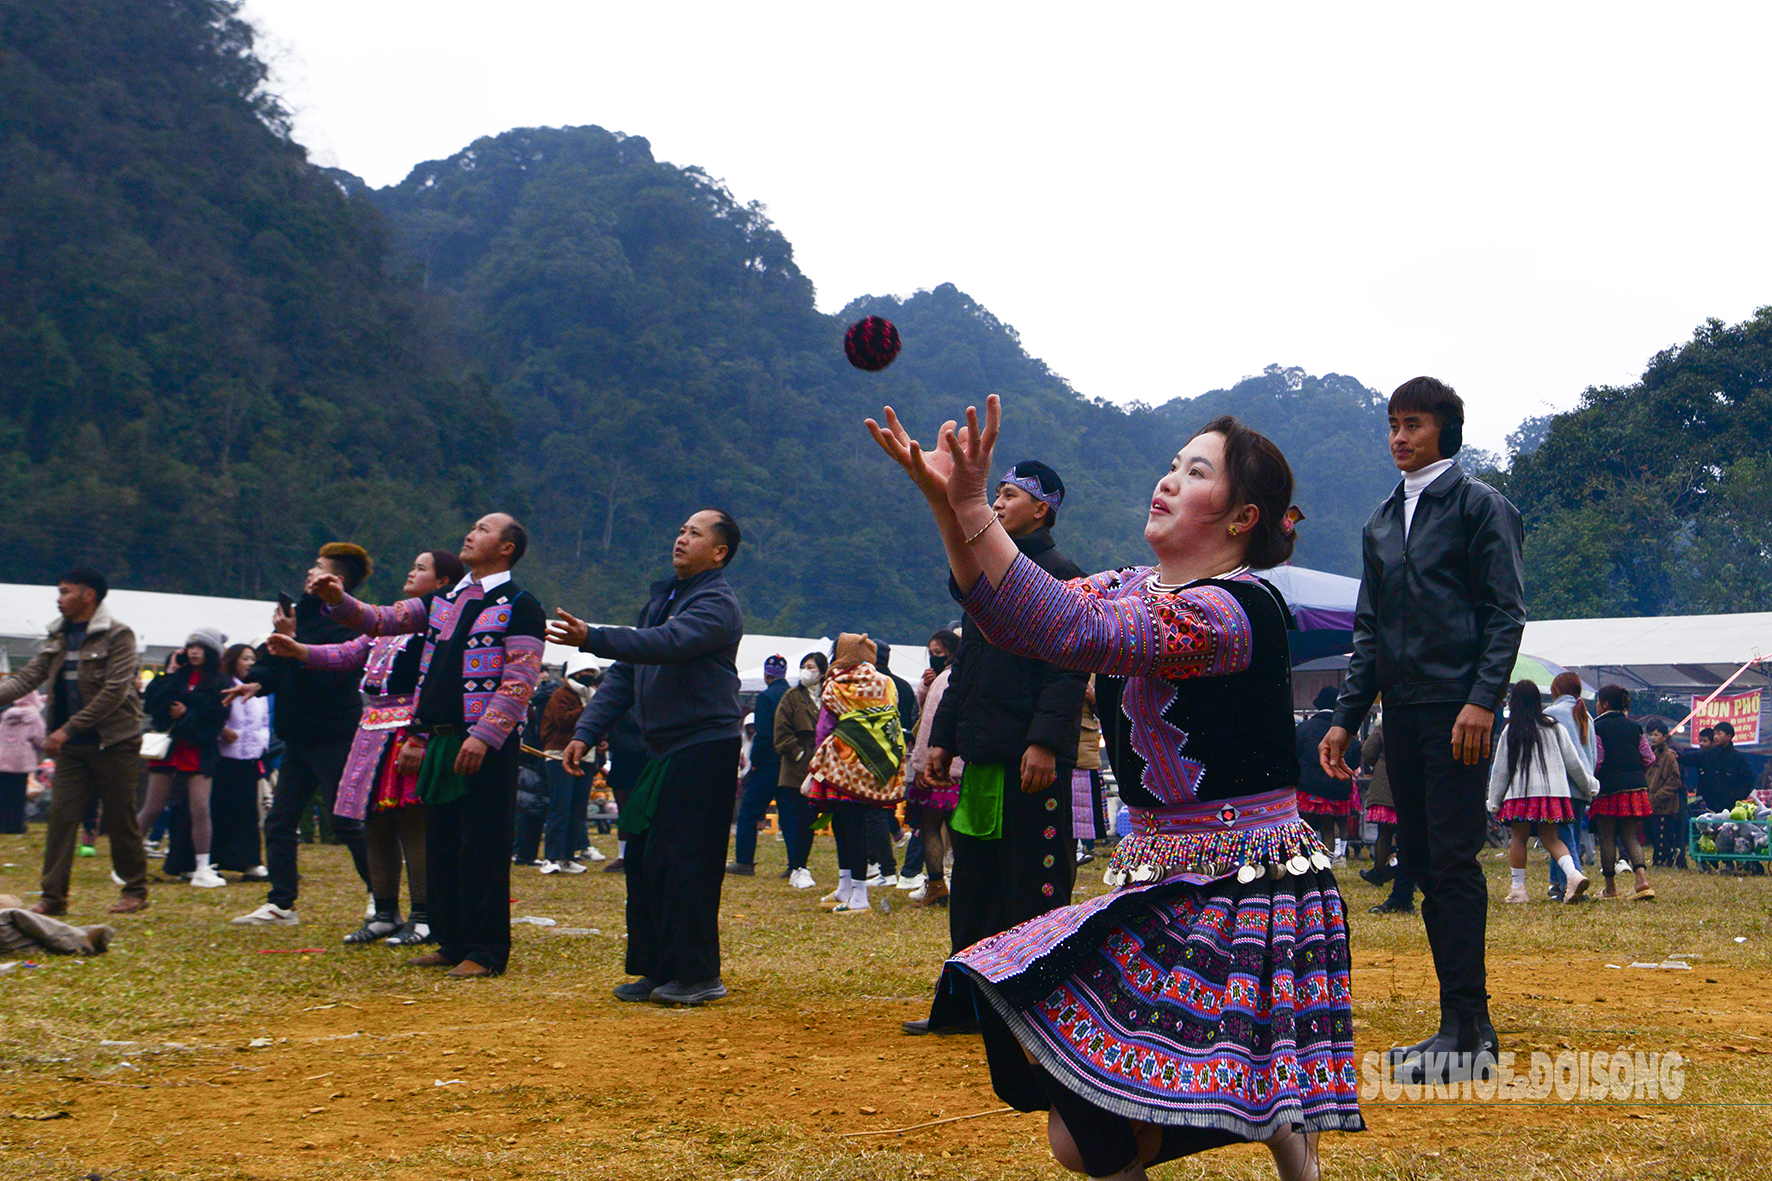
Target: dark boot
[
  {"x": 1464, "y": 1053},
  {"x": 1448, "y": 1028}
]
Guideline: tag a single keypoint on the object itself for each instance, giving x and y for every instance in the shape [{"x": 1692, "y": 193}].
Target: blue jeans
[
  {"x": 760, "y": 790},
  {"x": 1570, "y": 835},
  {"x": 567, "y": 797}
]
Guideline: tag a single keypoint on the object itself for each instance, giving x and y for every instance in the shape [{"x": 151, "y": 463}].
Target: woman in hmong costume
[
  {"x": 858, "y": 763},
  {"x": 1206, "y": 1000},
  {"x": 378, "y": 786}
]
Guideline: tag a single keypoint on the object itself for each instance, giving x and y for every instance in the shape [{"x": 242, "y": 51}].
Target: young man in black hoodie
[
  {"x": 316, "y": 715},
  {"x": 1437, "y": 630},
  {"x": 1014, "y": 720}
]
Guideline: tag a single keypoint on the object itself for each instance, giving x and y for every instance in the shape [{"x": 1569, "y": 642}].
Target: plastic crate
[{"x": 1695, "y": 828}]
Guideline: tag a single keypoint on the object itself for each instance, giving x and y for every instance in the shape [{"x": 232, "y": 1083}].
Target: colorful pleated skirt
[
  {"x": 1622, "y": 803},
  {"x": 1537, "y": 810},
  {"x": 1220, "y": 1006}
]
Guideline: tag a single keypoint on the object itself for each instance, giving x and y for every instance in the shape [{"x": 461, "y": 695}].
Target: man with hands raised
[
  {"x": 1441, "y": 611},
  {"x": 678, "y": 673},
  {"x": 481, "y": 661}
]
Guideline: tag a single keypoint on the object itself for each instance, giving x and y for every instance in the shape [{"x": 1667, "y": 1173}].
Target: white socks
[
  {"x": 202, "y": 862},
  {"x": 1566, "y": 863},
  {"x": 1340, "y": 847},
  {"x": 621, "y": 848},
  {"x": 858, "y": 896},
  {"x": 1519, "y": 877}
]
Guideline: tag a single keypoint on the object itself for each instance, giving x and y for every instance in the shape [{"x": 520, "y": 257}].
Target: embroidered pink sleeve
[
  {"x": 1107, "y": 624},
  {"x": 353, "y": 654},
  {"x": 510, "y": 705},
  {"x": 398, "y": 619}
]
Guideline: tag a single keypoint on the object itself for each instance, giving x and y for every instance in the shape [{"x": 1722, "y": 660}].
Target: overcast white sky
[{"x": 1522, "y": 199}]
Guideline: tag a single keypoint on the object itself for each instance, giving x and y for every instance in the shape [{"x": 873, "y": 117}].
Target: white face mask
[{"x": 809, "y": 677}]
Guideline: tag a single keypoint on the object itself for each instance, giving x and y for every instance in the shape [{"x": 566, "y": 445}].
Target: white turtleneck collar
[{"x": 1414, "y": 484}]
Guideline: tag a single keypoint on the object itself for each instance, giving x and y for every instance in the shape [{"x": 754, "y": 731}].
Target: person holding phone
[{"x": 316, "y": 716}]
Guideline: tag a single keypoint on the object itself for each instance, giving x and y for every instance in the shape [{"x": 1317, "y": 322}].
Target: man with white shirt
[{"x": 1437, "y": 631}]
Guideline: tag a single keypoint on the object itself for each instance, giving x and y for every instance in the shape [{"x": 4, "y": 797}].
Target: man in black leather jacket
[
  {"x": 1437, "y": 631},
  {"x": 1020, "y": 717}
]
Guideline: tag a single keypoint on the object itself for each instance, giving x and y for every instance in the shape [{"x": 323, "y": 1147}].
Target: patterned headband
[{"x": 1031, "y": 486}]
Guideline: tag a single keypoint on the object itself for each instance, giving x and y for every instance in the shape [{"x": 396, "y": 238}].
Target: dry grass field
[{"x": 204, "y": 1050}]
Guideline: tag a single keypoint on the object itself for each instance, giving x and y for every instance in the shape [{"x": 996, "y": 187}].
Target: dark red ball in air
[{"x": 871, "y": 343}]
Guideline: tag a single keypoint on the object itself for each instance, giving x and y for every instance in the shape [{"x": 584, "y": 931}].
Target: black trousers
[
  {"x": 675, "y": 869},
  {"x": 233, "y": 811},
  {"x": 1442, "y": 819},
  {"x": 1024, "y": 873},
  {"x": 849, "y": 829},
  {"x": 12, "y": 801},
  {"x": 309, "y": 768},
  {"x": 996, "y": 884},
  {"x": 468, "y": 864},
  {"x": 879, "y": 840}
]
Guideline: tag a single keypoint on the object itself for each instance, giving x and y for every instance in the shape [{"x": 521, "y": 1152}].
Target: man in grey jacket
[
  {"x": 95, "y": 719},
  {"x": 678, "y": 673}
]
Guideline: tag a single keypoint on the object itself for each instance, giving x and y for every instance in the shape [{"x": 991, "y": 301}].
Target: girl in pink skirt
[{"x": 1531, "y": 781}]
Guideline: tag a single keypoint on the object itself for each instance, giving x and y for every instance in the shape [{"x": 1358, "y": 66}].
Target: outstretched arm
[{"x": 402, "y": 618}]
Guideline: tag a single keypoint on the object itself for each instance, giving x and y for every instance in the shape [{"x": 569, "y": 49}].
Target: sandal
[
  {"x": 373, "y": 931},
  {"x": 410, "y": 935}
]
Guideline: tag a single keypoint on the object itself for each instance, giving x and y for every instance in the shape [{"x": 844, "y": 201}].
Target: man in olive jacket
[
  {"x": 95, "y": 718},
  {"x": 1437, "y": 630}
]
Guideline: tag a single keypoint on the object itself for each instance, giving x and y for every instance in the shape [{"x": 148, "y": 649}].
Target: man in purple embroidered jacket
[
  {"x": 678, "y": 671},
  {"x": 482, "y": 658}
]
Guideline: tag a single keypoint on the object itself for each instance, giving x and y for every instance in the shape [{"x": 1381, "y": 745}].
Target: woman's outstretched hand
[
  {"x": 958, "y": 471},
  {"x": 929, "y": 470}
]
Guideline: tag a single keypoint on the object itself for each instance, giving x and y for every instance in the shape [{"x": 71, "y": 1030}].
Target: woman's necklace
[{"x": 1169, "y": 588}]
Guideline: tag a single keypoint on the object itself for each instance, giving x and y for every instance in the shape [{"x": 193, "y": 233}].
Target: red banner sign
[{"x": 1740, "y": 710}]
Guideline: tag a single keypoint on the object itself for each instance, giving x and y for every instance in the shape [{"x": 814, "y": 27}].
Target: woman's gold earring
[{"x": 1235, "y": 530}]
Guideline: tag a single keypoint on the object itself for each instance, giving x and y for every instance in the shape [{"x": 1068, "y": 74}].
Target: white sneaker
[
  {"x": 207, "y": 879},
  {"x": 269, "y": 915},
  {"x": 909, "y": 883},
  {"x": 117, "y": 879},
  {"x": 573, "y": 867},
  {"x": 877, "y": 880},
  {"x": 920, "y": 893},
  {"x": 550, "y": 867},
  {"x": 1338, "y": 862},
  {"x": 1517, "y": 894},
  {"x": 836, "y": 895},
  {"x": 1623, "y": 866},
  {"x": 801, "y": 879},
  {"x": 595, "y": 854},
  {"x": 873, "y": 869}
]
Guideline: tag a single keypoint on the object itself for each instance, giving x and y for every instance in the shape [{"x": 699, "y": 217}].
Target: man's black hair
[
  {"x": 87, "y": 576},
  {"x": 1726, "y": 728},
  {"x": 1708, "y": 732},
  {"x": 1429, "y": 395},
  {"x": 726, "y": 529},
  {"x": 517, "y": 536},
  {"x": 882, "y": 653},
  {"x": 1050, "y": 484}
]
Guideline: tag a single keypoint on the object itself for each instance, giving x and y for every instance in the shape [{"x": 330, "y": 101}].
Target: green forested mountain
[
  {"x": 205, "y": 365},
  {"x": 659, "y": 351},
  {"x": 214, "y": 355}
]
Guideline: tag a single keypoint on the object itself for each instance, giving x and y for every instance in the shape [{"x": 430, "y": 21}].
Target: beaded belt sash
[
  {"x": 1237, "y": 815},
  {"x": 1246, "y": 837}
]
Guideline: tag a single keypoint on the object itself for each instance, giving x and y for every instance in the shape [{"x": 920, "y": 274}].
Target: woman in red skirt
[
  {"x": 1536, "y": 769},
  {"x": 1621, "y": 766}
]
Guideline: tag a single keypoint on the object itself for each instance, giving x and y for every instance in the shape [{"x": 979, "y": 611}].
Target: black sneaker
[
  {"x": 636, "y": 990},
  {"x": 1389, "y": 907},
  {"x": 699, "y": 993},
  {"x": 739, "y": 869},
  {"x": 922, "y": 1028}
]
